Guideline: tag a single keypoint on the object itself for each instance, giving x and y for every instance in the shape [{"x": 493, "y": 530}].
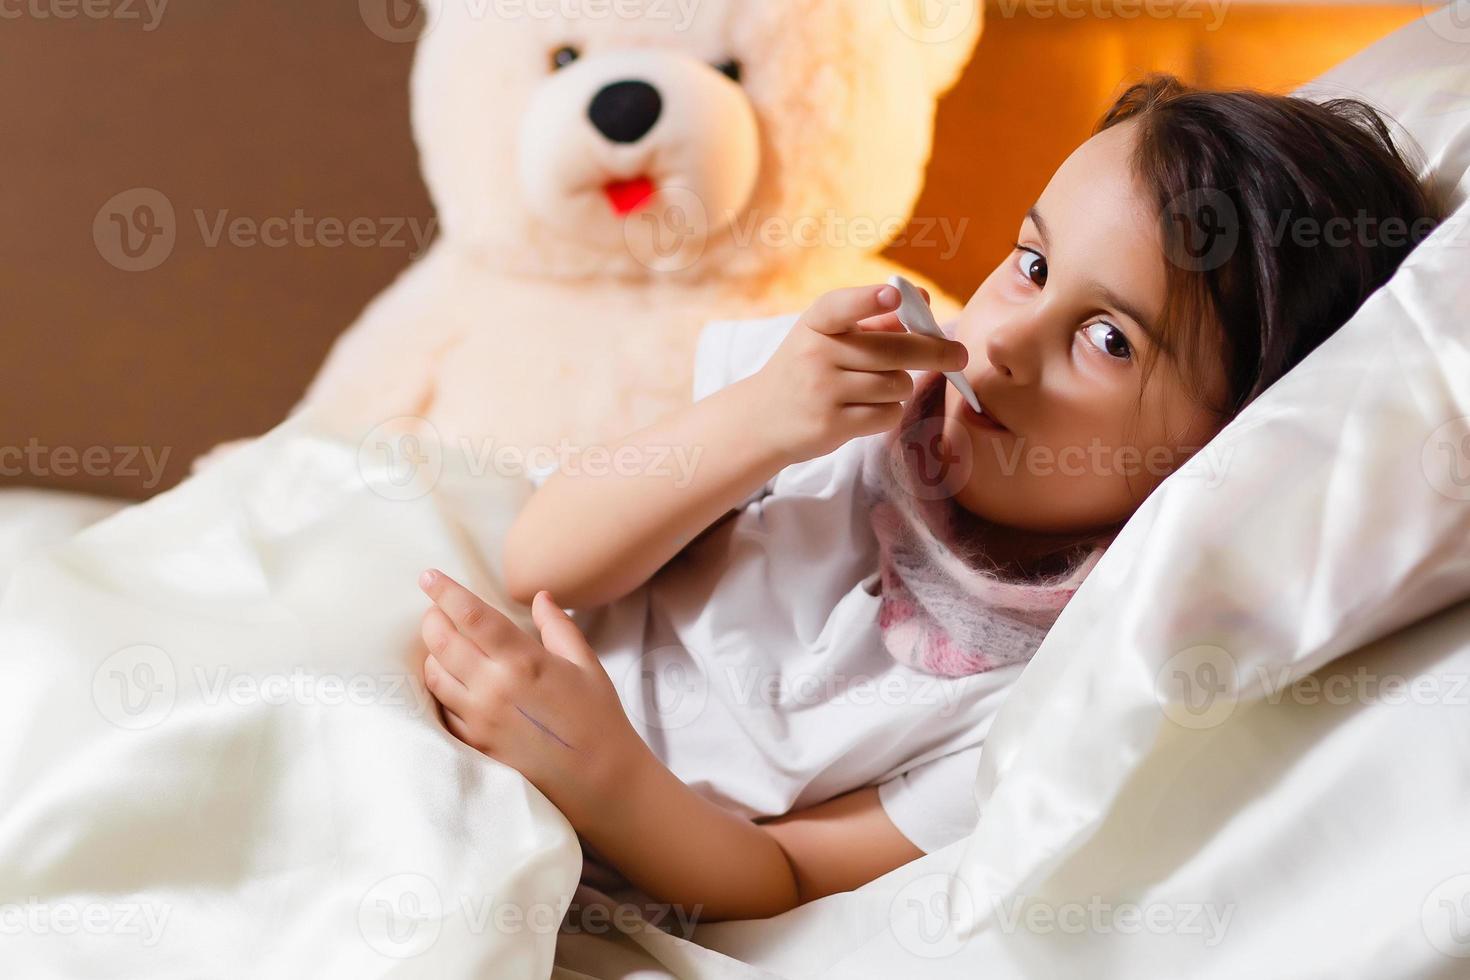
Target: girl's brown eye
[
  {"x": 1110, "y": 340},
  {"x": 1033, "y": 267},
  {"x": 564, "y": 56}
]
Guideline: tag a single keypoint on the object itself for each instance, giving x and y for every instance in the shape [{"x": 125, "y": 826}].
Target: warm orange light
[{"x": 1047, "y": 69}]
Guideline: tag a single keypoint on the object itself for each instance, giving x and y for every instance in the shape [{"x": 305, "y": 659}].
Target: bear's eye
[
  {"x": 731, "y": 69},
  {"x": 564, "y": 56}
]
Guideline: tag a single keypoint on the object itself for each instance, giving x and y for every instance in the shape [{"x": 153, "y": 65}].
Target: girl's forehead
[
  {"x": 1097, "y": 188},
  {"x": 1100, "y": 225}
]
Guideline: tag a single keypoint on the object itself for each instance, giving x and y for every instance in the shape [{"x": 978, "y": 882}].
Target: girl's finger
[
  {"x": 559, "y": 635},
  {"x": 868, "y": 388},
  {"x": 476, "y": 619},
  {"x": 456, "y": 726},
  {"x": 883, "y": 323},
  {"x": 900, "y": 352},
  {"x": 839, "y": 311},
  {"x": 447, "y": 689},
  {"x": 456, "y": 653},
  {"x": 888, "y": 322},
  {"x": 870, "y": 419}
]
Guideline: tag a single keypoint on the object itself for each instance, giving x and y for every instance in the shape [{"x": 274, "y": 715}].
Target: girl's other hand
[
  {"x": 843, "y": 372},
  {"x": 547, "y": 708}
]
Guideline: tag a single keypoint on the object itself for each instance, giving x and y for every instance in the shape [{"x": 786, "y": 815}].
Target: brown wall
[{"x": 263, "y": 108}]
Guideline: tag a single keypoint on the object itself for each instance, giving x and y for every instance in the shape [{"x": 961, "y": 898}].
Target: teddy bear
[{"x": 610, "y": 175}]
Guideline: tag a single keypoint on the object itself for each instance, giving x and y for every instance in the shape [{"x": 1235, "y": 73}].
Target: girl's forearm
[
  {"x": 680, "y": 848},
  {"x": 591, "y": 539}
]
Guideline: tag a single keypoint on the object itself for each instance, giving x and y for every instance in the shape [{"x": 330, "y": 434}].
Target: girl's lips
[{"x": 979, "y": 421}]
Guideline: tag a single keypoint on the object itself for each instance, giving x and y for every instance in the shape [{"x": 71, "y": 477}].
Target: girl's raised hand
[{"x": 843, "y": 372}]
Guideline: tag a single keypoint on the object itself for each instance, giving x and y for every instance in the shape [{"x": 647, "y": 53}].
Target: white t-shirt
[{"x": 752, "y": 663}]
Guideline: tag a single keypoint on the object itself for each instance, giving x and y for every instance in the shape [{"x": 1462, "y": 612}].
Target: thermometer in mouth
[{"x": 916, "y": 317}]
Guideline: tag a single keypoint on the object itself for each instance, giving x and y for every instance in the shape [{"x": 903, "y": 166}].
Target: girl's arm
[
  {"x": 680, "y": 848},
  {"x": 552, "y": 712},
  {"x": 594, "y": 539},
  {"x": 840, "y": 374}
]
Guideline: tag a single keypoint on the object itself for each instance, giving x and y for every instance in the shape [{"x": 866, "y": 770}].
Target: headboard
[{"x": 264, "y": 108}]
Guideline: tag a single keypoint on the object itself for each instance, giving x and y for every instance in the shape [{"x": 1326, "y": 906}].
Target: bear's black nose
[{"x": 624, "y": 112}]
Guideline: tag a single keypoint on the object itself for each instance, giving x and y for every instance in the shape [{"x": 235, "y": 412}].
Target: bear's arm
[{"x": 385, "y": 365}]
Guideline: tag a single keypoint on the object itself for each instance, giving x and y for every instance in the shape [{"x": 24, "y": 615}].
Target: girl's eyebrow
[{"x": 1111, "y": 298}]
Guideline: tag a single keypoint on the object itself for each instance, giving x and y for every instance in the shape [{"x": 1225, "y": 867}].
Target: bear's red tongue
[{"x": 627, "y": 196}]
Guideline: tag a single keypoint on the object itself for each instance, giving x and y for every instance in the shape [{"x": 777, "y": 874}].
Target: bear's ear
[{"x": 948, "y": 30}]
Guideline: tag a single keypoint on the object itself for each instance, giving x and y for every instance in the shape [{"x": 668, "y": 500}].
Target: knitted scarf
[{"x": 947, "y": 609}]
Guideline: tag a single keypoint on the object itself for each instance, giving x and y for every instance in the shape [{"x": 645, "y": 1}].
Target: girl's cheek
[{"x": 994, "y": 301}]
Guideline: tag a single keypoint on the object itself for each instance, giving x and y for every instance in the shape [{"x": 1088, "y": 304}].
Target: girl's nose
[{"x": 1012, "y": 348}]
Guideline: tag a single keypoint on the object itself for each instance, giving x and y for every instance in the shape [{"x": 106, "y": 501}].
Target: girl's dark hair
[{"x": 1280, "y": 216}]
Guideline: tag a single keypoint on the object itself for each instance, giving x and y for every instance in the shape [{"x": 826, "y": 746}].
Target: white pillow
[{"x": 1127, "y": 830}]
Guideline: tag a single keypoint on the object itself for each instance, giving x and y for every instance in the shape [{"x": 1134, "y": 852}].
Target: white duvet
[
  {"x": 1241, "y": 752},
  {"x": 216, "y": 758}
]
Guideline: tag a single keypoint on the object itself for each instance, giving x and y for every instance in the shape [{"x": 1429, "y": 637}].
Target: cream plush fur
[{"x": 542, "y": 316}]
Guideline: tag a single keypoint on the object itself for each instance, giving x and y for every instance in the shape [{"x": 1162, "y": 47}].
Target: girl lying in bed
[{"x": 781, "y": 668}]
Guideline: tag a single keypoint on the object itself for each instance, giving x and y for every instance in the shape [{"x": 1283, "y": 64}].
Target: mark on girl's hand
[{"x": 546, "y": 730}]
